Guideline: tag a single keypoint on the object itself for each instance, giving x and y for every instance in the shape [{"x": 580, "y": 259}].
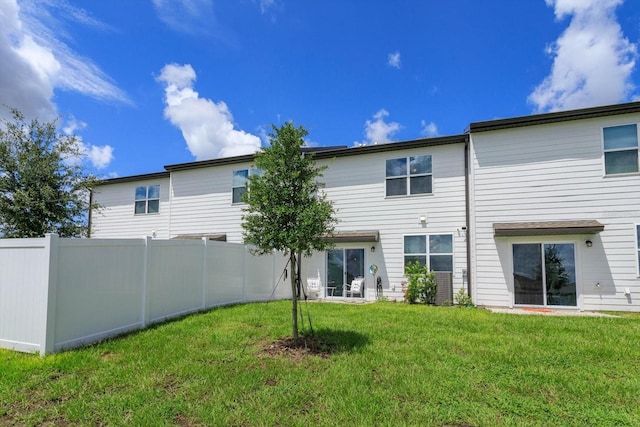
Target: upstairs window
[
  {"x": 436, "y": 248},
  {"x": 239, "y": 186},
  {"x": 620, "y": 149},
  {"x": 147, "y": 200},
  {"x": 409, "y": 176},
  {"x": 240, "y": 181}
]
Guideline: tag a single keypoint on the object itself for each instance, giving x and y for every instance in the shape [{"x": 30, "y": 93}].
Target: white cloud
[
  {"x": 36, "y": 62},
  {"x": 206, "y": 126},
  {"x": 378, "y": 131},
  {"x": 265, "y": 5},
  {"x": 593, "y": 61},
  {"x": 393, "y": 59},
  {"x": 186, "y": 16},
  {"x": 99, "y": 156},
  {"x": 429, "y": 129}
]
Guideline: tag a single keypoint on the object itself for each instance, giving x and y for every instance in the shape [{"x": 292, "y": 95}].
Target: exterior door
[
  {"x": 544, "y": 274},
  {"x": 343, "y": 265}
]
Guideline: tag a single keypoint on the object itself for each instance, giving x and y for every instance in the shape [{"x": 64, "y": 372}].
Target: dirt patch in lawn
[{"x": 298, "y": 349}]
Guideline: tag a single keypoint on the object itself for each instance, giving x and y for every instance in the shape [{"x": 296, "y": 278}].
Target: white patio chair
[
  {"x": 314, "y": 287},
  {"x": 356, "y": 287}
]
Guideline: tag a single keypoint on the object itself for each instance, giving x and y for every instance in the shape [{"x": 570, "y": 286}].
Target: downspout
[
  {"x": 467, "y": 203},
  {"x": 90, "y": 212}
]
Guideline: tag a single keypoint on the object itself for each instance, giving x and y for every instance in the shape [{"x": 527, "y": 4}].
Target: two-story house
[
  {"x": 395, "y": 203},
  {"x": 537, "y": 211}
]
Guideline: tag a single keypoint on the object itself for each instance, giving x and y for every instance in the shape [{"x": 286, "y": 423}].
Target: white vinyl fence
[{"x": 59, "y": 293}]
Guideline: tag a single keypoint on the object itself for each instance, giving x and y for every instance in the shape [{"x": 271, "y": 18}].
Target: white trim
[{"x": 604, "y": 167}]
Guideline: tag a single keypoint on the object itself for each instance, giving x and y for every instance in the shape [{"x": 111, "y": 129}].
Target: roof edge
[
  {"x": 132, "y": 178},
  {"x": 555, "y": 117}
]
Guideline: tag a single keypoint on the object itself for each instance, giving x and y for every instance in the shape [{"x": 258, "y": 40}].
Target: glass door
[
  {"x": 343, "y": 265},
  {"x": 544, "y": 274}
]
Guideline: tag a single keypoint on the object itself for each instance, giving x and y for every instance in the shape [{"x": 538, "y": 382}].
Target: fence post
[
  {"x": 205, "y": 252},
  {"x": 244, "y": 274},
  {"x": 145, "y": 279},
  {"x": 47, "y": 344}
]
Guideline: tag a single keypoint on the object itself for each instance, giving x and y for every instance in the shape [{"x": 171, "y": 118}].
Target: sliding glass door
[
  {"x": 544, "y": 274},
  {"x": 343, "y": 265}
]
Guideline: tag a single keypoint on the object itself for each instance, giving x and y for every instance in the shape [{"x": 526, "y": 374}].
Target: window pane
[
  {"x": 620, "y": 137},
  {"x": 140, "y": 207},
  {"x": 527, "y": 274},
  {"x": 441, "y": 244},
  {"x": 441, "y": 262},
  {"x": 410, "y": 259},
  {"x": 397, "y": 187},
  {"x": 240, "y": 178},
  {"x": 621, "y": 162},
  {"x": 238, "y": 193},
  {"x": 154, "y": 192},
  {"x": 154, "y": 206},
  {"x": 420, "y": 164},
  {"x": 415, "y": 244},
  {"x": 396, "y": 167},
  {"x": 560, "y": 274},
  {"x": 141, "y": 193},
  {"x": 638, "y": 236},
  {"x": 421, "y": 185}
]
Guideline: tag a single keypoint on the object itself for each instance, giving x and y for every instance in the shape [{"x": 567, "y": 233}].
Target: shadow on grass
[{"x": 340, "y": 341}]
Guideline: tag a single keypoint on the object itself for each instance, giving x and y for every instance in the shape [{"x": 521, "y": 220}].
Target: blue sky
[{"x": 145, "y": 83}]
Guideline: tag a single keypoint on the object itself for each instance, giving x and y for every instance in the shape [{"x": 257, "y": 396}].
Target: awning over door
[
  {"x": 547, "y": 228},
  {"x": 354, "y": 236},
  {"x": 221, "y": 237}
]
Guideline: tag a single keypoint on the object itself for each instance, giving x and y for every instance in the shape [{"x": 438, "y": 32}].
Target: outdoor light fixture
[
  {"x": 373, "y": 248},
  {"x": 589, "y": 243},
  {"x": 423, "y": 219}
]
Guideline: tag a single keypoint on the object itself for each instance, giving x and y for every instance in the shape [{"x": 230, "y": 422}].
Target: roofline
[
  {"x": 331, "y": 152},
  {"x": 560, "y": 116},
  {"x": 132, "y": 178}
]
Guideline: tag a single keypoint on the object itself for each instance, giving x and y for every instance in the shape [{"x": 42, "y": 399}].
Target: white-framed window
[
  {"x": 239, "y": 185},
  {"x": 240, "y": 181},
  {"x": 437, "y": 249},
  {"x": 147, "y": 199},
  {"x": 409, "y": 176},
  {"x": 620, "y": 149}
]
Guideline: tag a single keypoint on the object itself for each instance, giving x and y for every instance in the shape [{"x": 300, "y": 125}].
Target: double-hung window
[
  {"x": 239, "y": 186},
  {"x": 240, "y": 182},
  {"x": 409, "y": 176},
  {"x": 620, "y": 149},
  {"x": 147, "y": 199},
  {"x": 437, "y": 249}
]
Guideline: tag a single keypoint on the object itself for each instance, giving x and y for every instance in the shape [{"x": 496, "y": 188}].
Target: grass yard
[{"x": 392, "y": 364}]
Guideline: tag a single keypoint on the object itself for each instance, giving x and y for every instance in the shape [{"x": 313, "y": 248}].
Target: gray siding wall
[
  {"x": 555, "y": 172},
  {"x": 116, "y": 219}
]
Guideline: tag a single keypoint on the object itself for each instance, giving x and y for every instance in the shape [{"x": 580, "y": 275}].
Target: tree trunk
[{"x": 294, "y": 293}]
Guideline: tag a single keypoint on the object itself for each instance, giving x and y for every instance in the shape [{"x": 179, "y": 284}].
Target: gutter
[{"x": 467, "y": 207}]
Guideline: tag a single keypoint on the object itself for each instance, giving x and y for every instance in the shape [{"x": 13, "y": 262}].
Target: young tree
[
  {"x": 43, "y": 189},
  {"x": 286, "y": 209}
]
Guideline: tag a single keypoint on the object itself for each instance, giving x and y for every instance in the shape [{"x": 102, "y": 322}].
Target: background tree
[
  {"x": 286, "y": 209},
  {"x": 43, "y": 188}
]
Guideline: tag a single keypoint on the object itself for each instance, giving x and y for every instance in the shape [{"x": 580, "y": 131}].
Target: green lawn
[{"x": 393, "y": 364}]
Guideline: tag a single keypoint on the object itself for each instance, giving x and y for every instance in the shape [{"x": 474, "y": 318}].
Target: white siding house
[
  {"x": 551, "y": 225},
  {"x": 197, "y": 199},
  {"x": 537, "y": 211}
]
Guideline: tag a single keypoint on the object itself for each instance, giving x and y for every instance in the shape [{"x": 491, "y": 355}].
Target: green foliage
[
  {"x": 286, "y": 208},
  {"x": 42, "y": 189},
  {"x": 422, "y": 286},
  {"x": 463, "y": 299}
]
